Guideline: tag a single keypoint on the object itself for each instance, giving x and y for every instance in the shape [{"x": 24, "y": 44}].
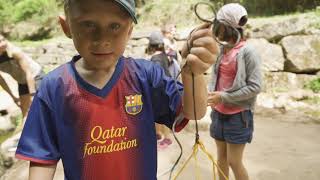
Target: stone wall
[{"x": 289, "y": 50}]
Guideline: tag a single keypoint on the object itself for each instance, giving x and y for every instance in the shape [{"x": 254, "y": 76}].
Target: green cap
[{"x": 130, "y": 7}]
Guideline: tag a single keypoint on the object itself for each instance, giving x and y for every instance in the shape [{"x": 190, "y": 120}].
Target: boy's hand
[
  {"x": 214, "y": 98},
  {"x": 200, "y": 51}
]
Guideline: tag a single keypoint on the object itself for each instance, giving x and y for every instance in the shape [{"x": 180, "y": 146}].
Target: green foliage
[
  {"x": 317, "y": 15},
  {"x": 314, "y": 85},
  {"x": 313, "y": 100},
  {"x": 5, "y": 136},
  {"x": 16, "y": 120},
  {"x": 274, "y": 7},
  {"x": 158, "y": 12},
  {"x": 12, "y": 11},
  {"x": 6, "y": 8},
  {"x": 27, "y": 8}
]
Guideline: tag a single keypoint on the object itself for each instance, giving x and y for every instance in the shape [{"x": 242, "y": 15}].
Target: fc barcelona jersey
[{"x": 102, "y": 134}]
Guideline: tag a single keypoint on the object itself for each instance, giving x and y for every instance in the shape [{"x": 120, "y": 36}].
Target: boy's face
[{"x": 100, "y": 30}]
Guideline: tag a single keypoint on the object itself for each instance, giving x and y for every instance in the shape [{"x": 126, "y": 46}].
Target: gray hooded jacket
[{"x": 247, "y": 83}]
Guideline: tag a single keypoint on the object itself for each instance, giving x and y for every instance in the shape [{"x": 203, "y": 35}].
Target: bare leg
[
  {"x": 165, "y": 131},
  {"x": 158, "y": 130},
  {"x": 25, "y": 102},
  {"x": 222, "y": 159},
  {"x": 235, "y": 154}
]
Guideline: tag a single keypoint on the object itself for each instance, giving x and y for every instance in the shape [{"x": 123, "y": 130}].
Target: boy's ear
[
  {"x": 130, "y": 31},
  {"x": 65, "y": 26}
]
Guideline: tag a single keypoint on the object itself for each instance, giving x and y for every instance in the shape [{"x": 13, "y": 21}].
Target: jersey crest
[{"x": 133, "y": 104}]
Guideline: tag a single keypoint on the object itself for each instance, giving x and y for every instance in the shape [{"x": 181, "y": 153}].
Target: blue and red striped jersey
[{"x": 106, "y": 133}]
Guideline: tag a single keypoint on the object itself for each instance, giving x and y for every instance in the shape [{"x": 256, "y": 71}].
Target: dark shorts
[
  {"x": 232, "y": 128},
  {"x": 24, "y": 89}
]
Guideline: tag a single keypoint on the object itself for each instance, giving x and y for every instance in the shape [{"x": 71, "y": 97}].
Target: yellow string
[{"x": 199, "y": 145}]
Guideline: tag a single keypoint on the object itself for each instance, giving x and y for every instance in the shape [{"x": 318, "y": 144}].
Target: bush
[
  {"x": 274, "y": 7},
  {"x": 40, "y": 13},
  {"x": 314, "y": 85},
  {"x": 6, "y": 9},
  {"x": 27, "y": 8},
  {"x": 12, "y": 11}
]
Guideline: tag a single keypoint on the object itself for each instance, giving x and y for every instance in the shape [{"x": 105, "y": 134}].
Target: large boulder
[
  {"x": 184, "y": 34},
  {"x": 275, "y": 30},
  {"x": 53, "y": 53},
  {"x": 284, "y": 81},
  {"x": 271, "y": 54},
  {"x": 56, "y": 53},
  {"x": 137, "y": 48},
  {"x": 138, "y": 42},
  {"x": 19, "y": 170},
  {"x": 8, "y": 147},
  {"x": 302, "y": 52},
  {"x": 7, "y": 153},
  {"x": 313, "y": 31},
  {"x": 33, "y": 30},
  {"x": 6, "y": 102},
  {"x": 2, "y": 168},
  {"x": 288, "y": 100},
  {"x": 136, "y": 35},
  {"x": 6, "y": 125},
  {"x": 136, "y": 52}
]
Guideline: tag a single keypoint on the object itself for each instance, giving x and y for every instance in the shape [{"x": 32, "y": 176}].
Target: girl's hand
[{"x": 214, "y": 98}]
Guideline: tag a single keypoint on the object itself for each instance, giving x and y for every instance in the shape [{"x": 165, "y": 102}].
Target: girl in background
[{"x": 235, "y": 84}]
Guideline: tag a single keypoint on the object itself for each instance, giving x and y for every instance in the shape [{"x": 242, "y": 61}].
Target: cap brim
[{"x": 132, "y": 15}]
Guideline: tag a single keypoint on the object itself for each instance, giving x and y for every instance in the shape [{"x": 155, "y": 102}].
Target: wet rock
[
  {"x": 284, "y": 81},
  {"x": 302, "y": 53},
  {"x": 33, "y": 30},
  {"x": 271, "y": 54},
  {"x": 275, "y": 31},
  {"x": 6, "y": 125},
  {"x": 287, "y": 100}
]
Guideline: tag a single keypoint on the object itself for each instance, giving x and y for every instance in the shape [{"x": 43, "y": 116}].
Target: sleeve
[
  {"x": 254, "y": 79},
  {"x": 38, "y": 141},
  {"x": 212, "y": 81},
  {"x": 166, "y": 94},
  {"x": 214, "y": 72},
  {"x": 176, "y": 67}
]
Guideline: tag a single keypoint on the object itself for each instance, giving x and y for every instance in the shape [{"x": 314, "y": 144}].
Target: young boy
[{"x": 97, "y": 112}]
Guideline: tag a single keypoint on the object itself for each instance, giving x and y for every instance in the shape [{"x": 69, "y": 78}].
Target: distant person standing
[
  {"x": 159, "y": 56},
  {"x": 157, "y": 51},
  {"x": 171, "y": 48},
  {"x": 23, "y": 69},
  {"x": 169, "y": 32}
]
